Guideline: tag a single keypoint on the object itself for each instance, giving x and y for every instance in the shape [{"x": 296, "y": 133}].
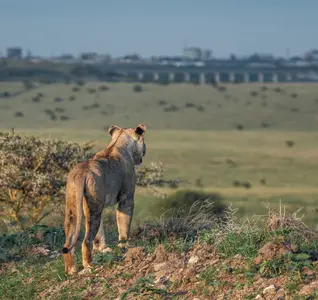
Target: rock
[
  {"x": 309, "y": 288},
  {"x": 259, "y": 297},
  {"x": 270, "y": 290},
  {"x": 280, "y": 295},
  {"x": 193, "y": 260},
  {"x": 159, "y": 267}
]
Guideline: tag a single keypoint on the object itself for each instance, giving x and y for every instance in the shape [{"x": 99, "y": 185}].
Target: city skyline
[{"x": 119, "y": 28}]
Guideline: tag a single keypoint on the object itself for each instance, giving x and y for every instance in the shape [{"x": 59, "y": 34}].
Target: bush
[
  {"x": 33, "y": 174},
  {"x": 5, "y": 94},
  {"x": 162, "y": 102},
  {"x": 19, "y": 114},
  {"x": 75, "y": 89},
  {"x": 171, "y": 108},
  {"x": 138, "y": 88},
  {"x": 103, "y": 88}
]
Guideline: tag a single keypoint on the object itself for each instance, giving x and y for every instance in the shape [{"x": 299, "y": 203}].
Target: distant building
[
  {"x": 312, "y": 55},
  {"x": 14, "y": 53},
  {"x": 88, "y": 56},
  {"x": 206, "y": 55},
  {"x": 192, "y": 53}
]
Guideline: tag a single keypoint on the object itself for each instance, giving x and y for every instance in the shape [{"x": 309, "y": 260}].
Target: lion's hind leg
[
  {"x": 93, "y": 212},
  {"x": 69, "y": 228},
  {"x": 100, "y": 241}
]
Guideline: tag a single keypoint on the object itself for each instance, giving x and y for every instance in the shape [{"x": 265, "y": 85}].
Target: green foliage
[
  {"x": 16, "y": 244},
  {"x": 137, "y": 88},
  {"x": 144, "y": 286},
  {"x": 33, "y": 174}
]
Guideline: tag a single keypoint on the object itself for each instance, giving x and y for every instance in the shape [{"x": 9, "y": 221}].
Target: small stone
[
  {"x": 309, "y": 288},
  {"x": 280, "y": 295},
  {"x": 159, "y": 267},
  {"x": 259, "y": 297},
  {"x": 270, "y": 290},
  {"x": 193, "y": 260}
]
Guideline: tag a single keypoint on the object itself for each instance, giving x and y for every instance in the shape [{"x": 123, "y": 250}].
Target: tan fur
[{"x": 105, "y": 180}]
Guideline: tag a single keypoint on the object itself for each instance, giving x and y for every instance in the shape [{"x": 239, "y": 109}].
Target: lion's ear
[
  {"x": 140, "y": 129},
  {"x": 112, "y": 129}
]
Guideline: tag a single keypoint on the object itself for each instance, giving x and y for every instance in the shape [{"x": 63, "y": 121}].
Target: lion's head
[{"x": 132, "y": 138}]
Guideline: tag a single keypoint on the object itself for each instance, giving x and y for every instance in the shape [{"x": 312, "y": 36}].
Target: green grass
[{"x": 196, "y": 144}]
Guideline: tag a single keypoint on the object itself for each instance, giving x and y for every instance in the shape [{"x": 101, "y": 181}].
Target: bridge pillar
[
  {"x": 260, "y": 77},
  {"x": 171, "y": 76},
  {"x": 246, "y": 77},
  {"x": 232, "y": 77},
  {"x": 140, "y": 76},
  {"x": 217, "y": 77},
  {"x": 275, "y": 77},
  {"x": 202, "y": 78},
  {"x": 155, "y": 76},
  {"x": 186, "y": 77}
]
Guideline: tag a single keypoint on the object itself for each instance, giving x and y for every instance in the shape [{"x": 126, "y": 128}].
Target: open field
[
  {"x": 192, "y": 130},
  {"x": 246, "y": 148}
]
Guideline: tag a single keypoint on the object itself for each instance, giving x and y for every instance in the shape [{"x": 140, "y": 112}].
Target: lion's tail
[{"x": 73, "y": 235}]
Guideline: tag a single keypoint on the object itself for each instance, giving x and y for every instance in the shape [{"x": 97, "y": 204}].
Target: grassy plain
[{"x": 192, "y": 129}]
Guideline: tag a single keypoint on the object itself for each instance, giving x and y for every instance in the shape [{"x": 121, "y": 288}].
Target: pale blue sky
[{"x": 162, "y": 27}]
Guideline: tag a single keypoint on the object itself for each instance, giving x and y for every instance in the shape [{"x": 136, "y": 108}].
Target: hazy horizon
[{"x": 152, "y": 28}]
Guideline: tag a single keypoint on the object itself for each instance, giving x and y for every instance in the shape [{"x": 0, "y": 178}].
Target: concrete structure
[
  {"x": 14, "y": 53},
  {"x": 192, "y": 53},
  {"x": 218, "y": 77}
]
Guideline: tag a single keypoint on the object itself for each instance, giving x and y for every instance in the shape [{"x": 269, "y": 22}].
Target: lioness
[{"x": 105, "y": 180}]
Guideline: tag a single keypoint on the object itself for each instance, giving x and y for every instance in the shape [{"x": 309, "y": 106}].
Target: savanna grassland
[
  {"x": 243, "y": 144},
  {"x": 248, "y": 142}
]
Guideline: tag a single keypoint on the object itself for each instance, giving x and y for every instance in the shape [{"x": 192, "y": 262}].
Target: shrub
[
  {"x": 33, "y": 173},
  {"x": 36, "y": 99},
  {"x": 6, "y": 94},
  {"x": 19, "y": 114},
  {"x": 171, "y": 108},
  {"x": 64, "y": 118},
  {"x": 239, "y": 126},
  {"x": 200, "y": 108},
  {"x": 294, "y": 95},
  {"x": 162, "y": 102},
  {"x": 75, "y": 89},
  {"x": 290, "y": 143},
  {"x": 189, "y": 105},
  {"x": 137, "y": 88},
  {"x": 103, "y": 88},
  {"x": 72, "y": 98},
  {"x": 91, "y": 91},
  {"x": 80, "y": 82},
  {"x": 58, "y": 99}
]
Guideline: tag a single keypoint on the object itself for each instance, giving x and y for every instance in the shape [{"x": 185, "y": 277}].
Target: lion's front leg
[{"x": 124, "y": 216}]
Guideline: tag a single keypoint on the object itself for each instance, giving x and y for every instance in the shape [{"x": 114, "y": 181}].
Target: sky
[{"x": 161, "y": 27}]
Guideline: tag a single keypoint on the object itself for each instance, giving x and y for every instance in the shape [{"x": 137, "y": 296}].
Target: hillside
[{"x": 177, "y": 106}]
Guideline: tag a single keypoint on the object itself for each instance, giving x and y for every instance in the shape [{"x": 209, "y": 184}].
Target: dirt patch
[{"x": 273, "y": 250}]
